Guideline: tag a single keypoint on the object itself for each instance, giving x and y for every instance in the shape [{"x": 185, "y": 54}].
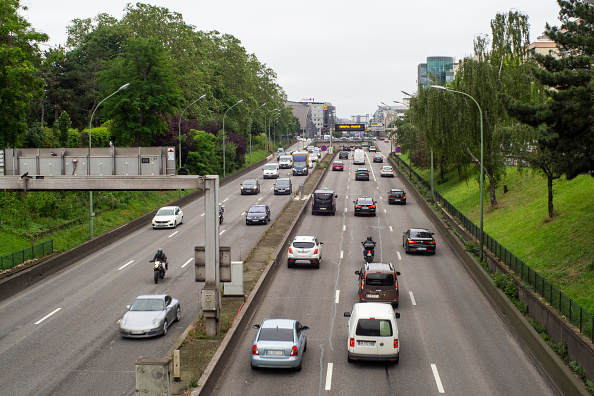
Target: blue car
[
  {"x": 257, "y": 214},
  {"x": 279, "y": 343}
]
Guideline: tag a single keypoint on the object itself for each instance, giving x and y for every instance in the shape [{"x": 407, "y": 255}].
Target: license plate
[
  {"x": 372, "y": 295},
  {"x": 322, "y": 208},
  {"x": 421, "y": 248},
  {"x": 303, "y": 251},
  {"x": 137, "y": 332},
  {"x": 365, "y": 343},
  {"x": 275, "y": 353}
]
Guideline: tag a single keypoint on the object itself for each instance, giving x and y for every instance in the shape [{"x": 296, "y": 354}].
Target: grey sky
[{"x": 354, "y": 54}]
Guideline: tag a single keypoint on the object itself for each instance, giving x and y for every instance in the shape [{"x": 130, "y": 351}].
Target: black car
[
  {"x": 283, "y": 186},
  {"x": 365, "y": 206},
  {"x": 418, "y": 240},
  {"x": 257, "y": 214},
  {"x": 324, "y": 201},
  {"x": 250, "y": 186},
  {"x": 396, "y": 195},
  {"x": 378, "y": 158},
  {"x": 343, "y": 155},
  {"x": 362, "y": 174}
]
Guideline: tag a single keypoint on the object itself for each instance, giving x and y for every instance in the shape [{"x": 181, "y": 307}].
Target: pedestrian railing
[{"x": 36, "y": 251}]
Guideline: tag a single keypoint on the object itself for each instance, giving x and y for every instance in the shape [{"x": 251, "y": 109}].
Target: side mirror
[
  {"x": 305, "y": 328},
  {"x": 347, "y": 314},
  {"x": 397, "y": 273},
  {"x": 397, "y": 316},
  {"x": 256, "y": 326},
  {"x": 335, "y": 195},
  {"x": 357, "y": 272},
  {"x": 128, "y": 307}
]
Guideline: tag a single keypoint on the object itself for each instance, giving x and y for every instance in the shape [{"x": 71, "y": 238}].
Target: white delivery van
[
  {"x": 373, "y": 333},
  {"x": 270, "y": 171},
  {"x": 285, "y": 162},
  {"x": 359, "y": 157}
]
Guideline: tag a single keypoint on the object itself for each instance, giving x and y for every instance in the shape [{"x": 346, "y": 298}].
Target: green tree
[
  {"x": 62, "y": 129},
  {"x": 153, "y": 91},
  {"x": 20, "y": 83},
  {"x": 201, "y": 161}
]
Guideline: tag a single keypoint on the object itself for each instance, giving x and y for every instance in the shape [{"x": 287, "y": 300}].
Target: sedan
[
  {"x": 257, "y": 214},
  {"x": 396, "y": 195},
  {"x": 279, "y": 343},
  {"x": 418, "y": 240},
  {"x": 168, "y": 217},
  {"x": 338, "y": 166},
  {"x": 283, "y": 186},
  {"x": 250, "y": 186},
  {"x": 387, "y": 171},
  {"x": 362, "y": 174},
  {"x": 365, "y": 205},
  {"x": 150, "y": 315},
  {"x": 378, "y": 158},
  {"x": 372, "y": 149}
]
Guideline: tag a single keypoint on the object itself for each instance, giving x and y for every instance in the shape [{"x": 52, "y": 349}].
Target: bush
[{"x": 506, "y": 283}]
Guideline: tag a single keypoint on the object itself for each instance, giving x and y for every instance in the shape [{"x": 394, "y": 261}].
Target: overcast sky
[{"x": 354, "y": 54}]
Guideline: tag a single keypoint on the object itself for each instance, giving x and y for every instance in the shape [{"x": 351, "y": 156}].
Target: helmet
[
  {"x": 159, "y": 250},
  {"x": 369, "y": 238}
]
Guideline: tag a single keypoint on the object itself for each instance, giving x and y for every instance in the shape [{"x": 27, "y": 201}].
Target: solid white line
[
  {"x": 412, "y": 298},
  {"x": 391, "y": 229},
  {"x": 437, "y": 379},
  {"x": 329, "y": 377},
  {"x": 173, "y": 234},
  {"x": 336, "y": 301},
  {"x": 221, "y": 233},
  {"x": 125, "y": 265},
  {"x": 48, "y": 315},
  {"x": 399, "y": 256},
  {"x": 187, "y": 262}
]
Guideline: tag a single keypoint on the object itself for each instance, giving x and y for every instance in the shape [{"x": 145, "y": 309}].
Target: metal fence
[
  {"x": 572, "y": 311},
  {"x": 30, "y": 253}
]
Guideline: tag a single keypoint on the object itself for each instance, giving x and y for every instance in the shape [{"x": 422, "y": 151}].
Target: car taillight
[
  {"x": 431, "y": 242},
  {"x": 391, "y": 196},
  {"x": 395, "y": 342},
  {"x": 255, "y": 350},
  {"x": 316, "y": 251},
  {"x": 294, "y": 351},
  {"x": 367, "y": 174},
  {"x": 372, "y": 207},
  {"x": 358, "y": 206},
  {"x": 411, "y": 241},
  {"x": 352, "y": 342},
  {"x": 404, "y": 196},
  {"x": 291, "y": 250}
]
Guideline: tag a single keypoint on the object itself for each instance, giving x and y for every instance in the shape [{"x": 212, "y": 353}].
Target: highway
[
  {"x": 451, "y": 339},
  {"x": 61, "y": 336}
]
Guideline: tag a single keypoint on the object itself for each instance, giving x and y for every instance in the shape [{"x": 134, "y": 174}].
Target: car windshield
[
  {"x": 374, "y": 328},
  {"x": 257, "y": 209},
  {"x": 251, "y": 182},
  {"x": 362, "y": 170},
  {"x": 147, "y": 304},
  {"x": 396, "y": 192},
  {"x": 421, "y": 234},
  {"x": 365, "y": 201},
  {"x": 337, "y": 163},
  {"x": 282, "y": 183},
  {"x": 303, "y": 245},
  {"x": 165, "y": 212},
  {"x": 323, "y": 196},
  {"x": 269, "y": 167},
  {"x": 379, "y": 279},
  {"x": 387, "y": 168},
  {"x": 275, "y": 334}
]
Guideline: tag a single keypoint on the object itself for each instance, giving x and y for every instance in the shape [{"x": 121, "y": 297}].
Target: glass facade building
[{"x": 438, "y": 70}]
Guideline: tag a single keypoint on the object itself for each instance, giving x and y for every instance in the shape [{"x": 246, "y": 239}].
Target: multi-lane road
[{"x": 60, "y": 337}]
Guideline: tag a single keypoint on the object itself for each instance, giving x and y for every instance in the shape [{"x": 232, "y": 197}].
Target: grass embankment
[{"x": 561, "y": 249}]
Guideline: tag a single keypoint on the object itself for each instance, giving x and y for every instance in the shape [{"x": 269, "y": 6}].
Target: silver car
[
  {"x": 150, "y": 315},
  {"x": 279, "y": 343}
]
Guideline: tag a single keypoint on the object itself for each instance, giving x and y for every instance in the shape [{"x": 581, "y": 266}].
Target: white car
[
  {"x": 150, "y": 315},
  {"x": 168, "y": 217},
  {"x": 270, "y": 171},
  {"x": 387, "y": 171},
  {"x": 305, "y": 248}
]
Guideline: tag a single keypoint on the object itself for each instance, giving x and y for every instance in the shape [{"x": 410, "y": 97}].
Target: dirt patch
[{"x": 197, "y": 350}]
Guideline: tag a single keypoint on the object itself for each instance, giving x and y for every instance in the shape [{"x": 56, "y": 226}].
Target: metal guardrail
[
  {"x": 36, "y": 251},
  {"x": 572, "y": 311}
]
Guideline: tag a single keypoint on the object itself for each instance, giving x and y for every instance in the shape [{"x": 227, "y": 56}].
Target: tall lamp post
[
  {"x": 251, "y": 130},
  {"x": 481, "y": 238},
  {"x": 224, "y": 167},
  {"x": 89, "y": 169}
]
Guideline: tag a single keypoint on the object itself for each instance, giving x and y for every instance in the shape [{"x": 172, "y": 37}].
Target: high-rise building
[
  {"x": 320, "y": 115},
  {"x": 439, "y": 70}
]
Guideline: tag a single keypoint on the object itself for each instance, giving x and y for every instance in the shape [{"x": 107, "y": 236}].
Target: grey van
[{"x": 378, "y": 282}]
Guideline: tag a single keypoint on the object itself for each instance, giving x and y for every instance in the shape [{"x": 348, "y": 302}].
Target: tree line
[
  {"x": 48, "y": 98},
  {"x": 537, "y": 110}
]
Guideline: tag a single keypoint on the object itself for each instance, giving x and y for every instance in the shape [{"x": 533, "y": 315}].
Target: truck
[{"x": 300, "y": 163}]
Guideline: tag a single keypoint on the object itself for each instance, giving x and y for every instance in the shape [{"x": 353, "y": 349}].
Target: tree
[
  {"x": 153, "y": 91},
  {"x": 62, "y": 128},
  {"x": 20, "y": 84}
]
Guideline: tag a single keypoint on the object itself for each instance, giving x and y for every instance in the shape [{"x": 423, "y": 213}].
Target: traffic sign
[
  {"x": 323, "y": 148},
  {"x": 397, "y": 150}
]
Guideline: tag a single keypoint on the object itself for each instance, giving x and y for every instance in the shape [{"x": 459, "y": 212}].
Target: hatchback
[
  {"x": 395, "y": 196},
  {"x": 365, "y": 206},
  {"x": 362, "y": 174},
  {"x": 250, "y": 186},
  {"x": 338, "y": 166},
  {"x": 378, "y": 158},
  {"x": 343, "y": 155},
  {"x": 418, "y": 240},
  {"x": 283, "y": 186},
  {"x": 387, "y": 171},
  {"x": 279, "y": 343},
  {"x": 257, "y": 214},
  {"x": 305, "y": 248}
]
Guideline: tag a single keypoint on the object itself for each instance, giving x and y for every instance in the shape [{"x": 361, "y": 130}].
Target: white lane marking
[
  {"x": 225, "y": 200},
  {"x": 221, "y": 233},
  {"x": 243, "y": 214},
  {"x": 341, "y": 253},
  {"x": 337, "y": 299},
  {"x": 48, "y": 315},
  {"x": 391, "y": 229},
  {"x": 381, "y": 197},
  {"x": 437, "y": 379},
  {"x": 385, "y": 211},
  {"x": 329, "y": 377},
  {"x": 187, "y": 262},
  {"x": 125, "y": 265},
  {"x": 345, "y": 210},
  {"x": 346, "y": 197},
  {"x": 344, "y": 227},
  {"x": 377, "y": 187},
  {"x": 202, "y": 214},
  {"x": 399, "y": 256},
  {"x": 173, "y": 234},
  {"x": 412, "y": 298},
  {"x": 259, "y": 199}
]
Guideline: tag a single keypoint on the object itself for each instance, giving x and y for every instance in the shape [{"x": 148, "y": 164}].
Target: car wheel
[
  {"x": 395, "y": 305},
  {"x": 241, "y": 193},
  {"x": 334, "y": 212},
  {"x": 397, "y": 360},
  {"x": 305, "y": 347},
  {"x": 165, "y": 327},
  {"x": 182, "y": 220},
  {"x": 246, "y": 223},
  {"x": 316, "y": 264},
  {"x": 289, "y": 265},
  {"x": 178, "y": 314},
  {"x": 175, "y": 224},
  {"x": 349, "y": 359},
  {"x": 254, "y": 367},
  {"x": 298, "y": 368}
]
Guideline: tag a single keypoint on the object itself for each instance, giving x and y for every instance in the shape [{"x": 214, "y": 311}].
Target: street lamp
[
  {"x": 224, "y": 168},
  {"x": 179, "y": 126},
  {"x": 251, "y": 130},
  {"x": 89, "y": 167},
  {"x": 481, "y": 238}
]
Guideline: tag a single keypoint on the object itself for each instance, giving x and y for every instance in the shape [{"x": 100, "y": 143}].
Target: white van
[
  {"x": 270, "y": 171},
  {"x": 373, "y": 333},
  {"x": 285, "y": 162},
  {"x": 359, "y": 157}
]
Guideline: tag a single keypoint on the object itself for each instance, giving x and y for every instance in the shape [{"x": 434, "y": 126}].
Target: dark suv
[
  {"x": 323, "y": 201},
  {"x": 378, "y": 282}
]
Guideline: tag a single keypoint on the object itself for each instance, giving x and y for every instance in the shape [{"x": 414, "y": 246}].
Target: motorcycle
[
  {"x": 368, "y": 251},
  {"x": 159, "y": 271},
  {"x": 221, "y": 211}
]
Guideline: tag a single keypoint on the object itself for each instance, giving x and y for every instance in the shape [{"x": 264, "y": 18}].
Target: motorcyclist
[
  {"x": 369, "y": 243},
  {"x": 160, "y": 255}
]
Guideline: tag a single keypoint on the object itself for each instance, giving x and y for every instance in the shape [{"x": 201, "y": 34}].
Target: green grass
[{"x": 561, "y": 249}]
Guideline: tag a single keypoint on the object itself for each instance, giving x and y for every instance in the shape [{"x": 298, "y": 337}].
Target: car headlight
[
  {"x": 156, "y": 321},
  {"x": 123, "y": 322}
]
